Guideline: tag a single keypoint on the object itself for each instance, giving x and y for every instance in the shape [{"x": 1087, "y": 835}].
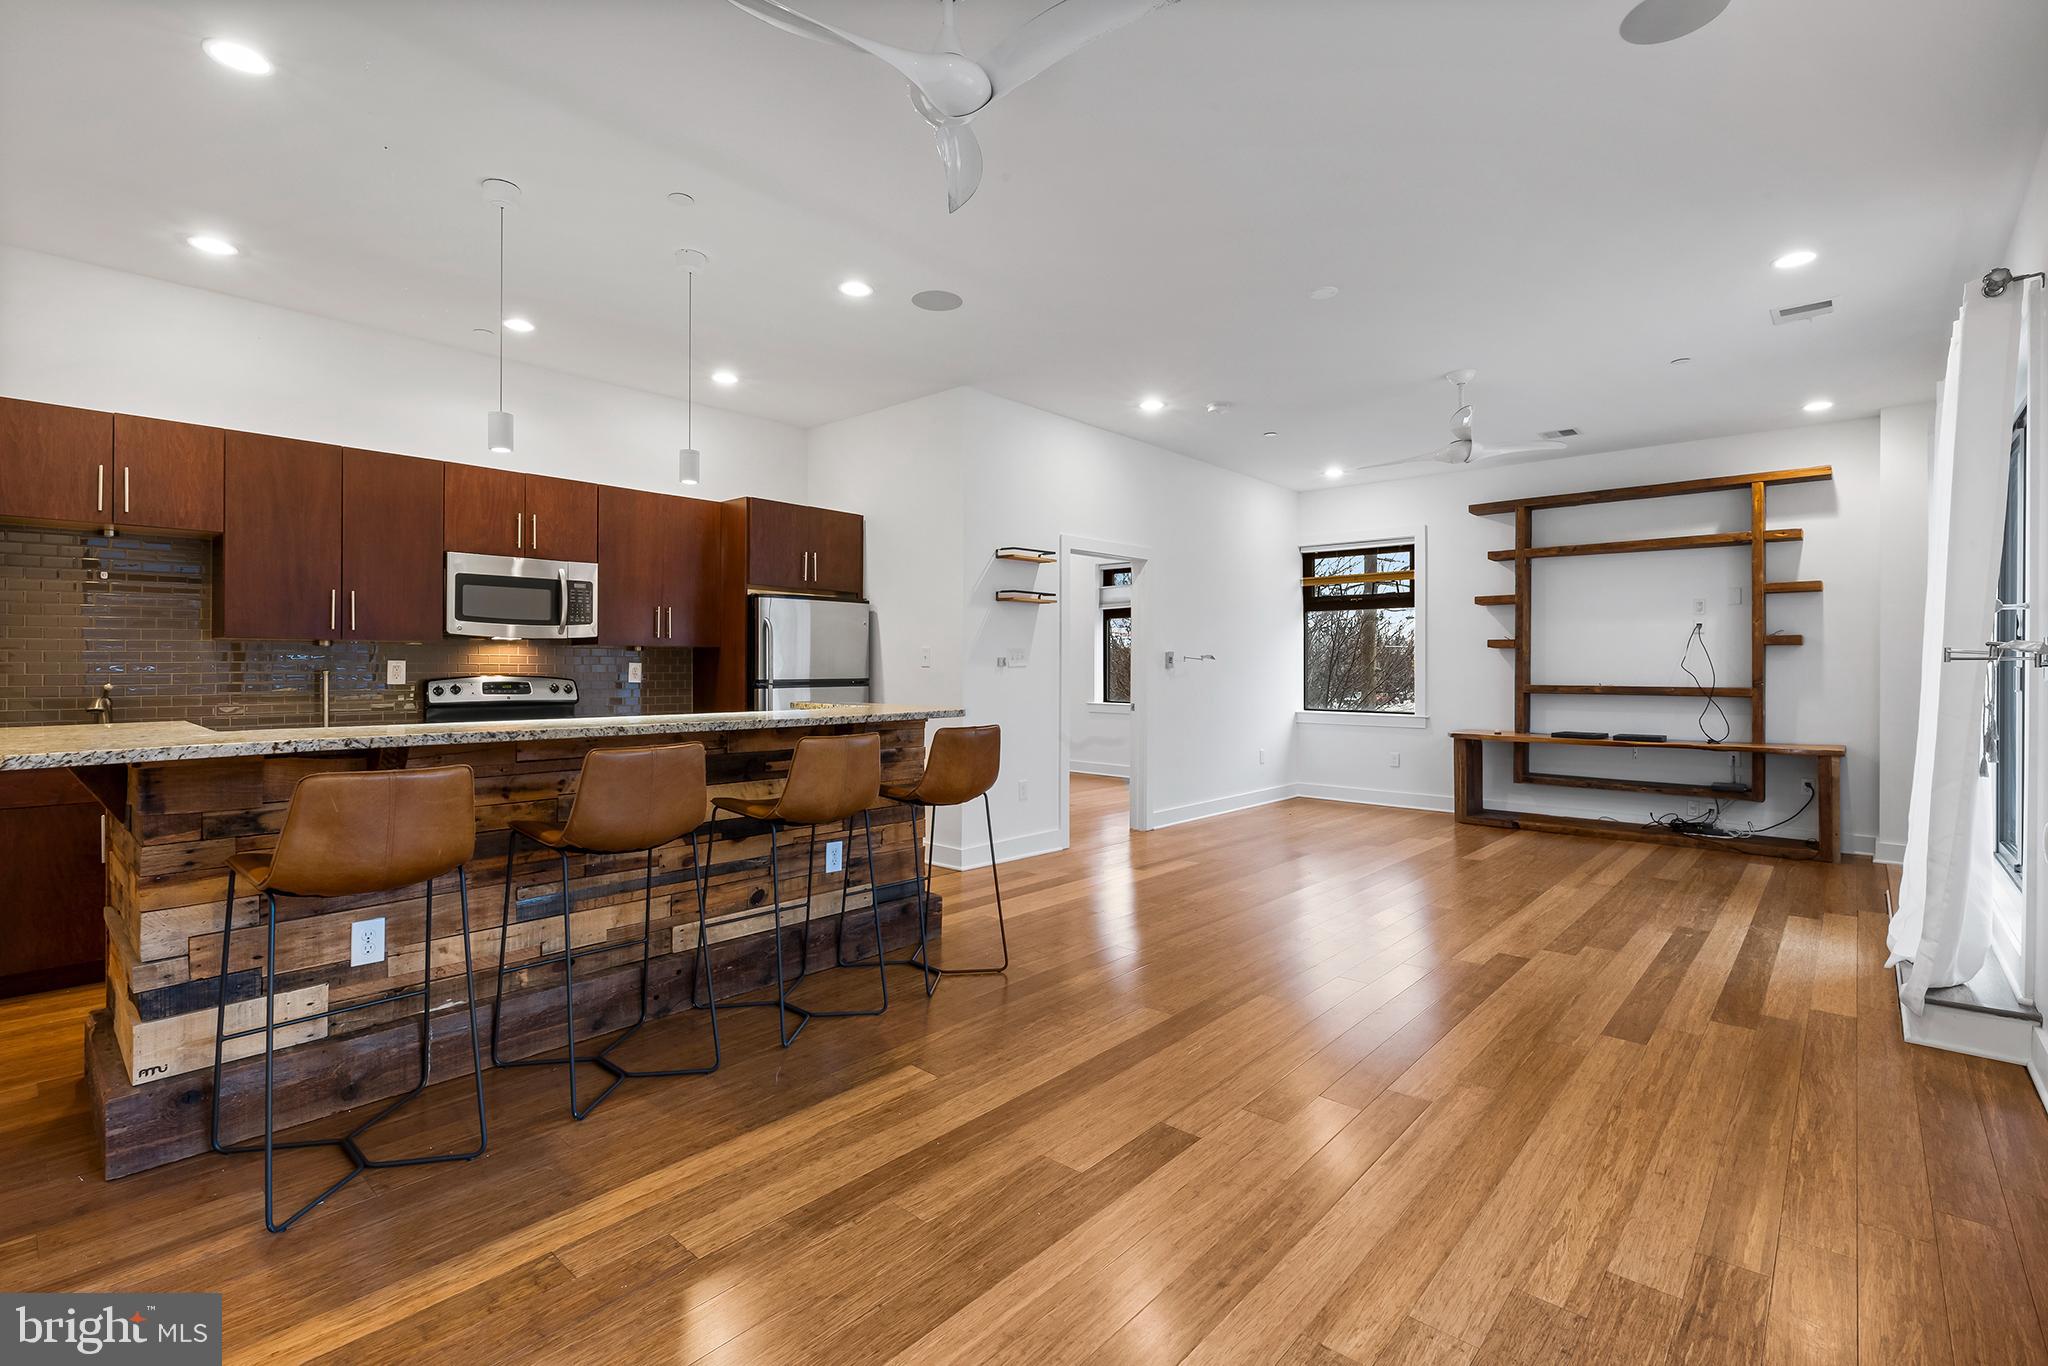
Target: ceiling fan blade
[
  {"x": 1057, "y": 32},
  {"x": 1530, "y": 448},
  {"x": 1660, "y": 21},
  {"x": 948, "y": 77},
  {"x": 1457, "y": 453},
  {"x": 959, "y": 151}
]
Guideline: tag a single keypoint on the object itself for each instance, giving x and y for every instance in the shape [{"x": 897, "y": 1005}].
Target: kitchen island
[{"x": 181, "y": 798}]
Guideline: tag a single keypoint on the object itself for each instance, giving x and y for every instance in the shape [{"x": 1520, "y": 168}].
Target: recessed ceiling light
[
  {"x": 856, "y": 289},
  {"x": 237, "y": 56},
  {"x": 1151, "y": 403},
  {"x": 725, "y": 377},
  {"x": 1334, "y": 472},
  {"x": 1819, "y": 405},
  {"x": 212, "y": 246},
  {"x": 1793, "y": 260},
  {"x": 518, "y": 325},
  {"x": 936, "y": 300},
  {"x": 1323, "y": 292}
]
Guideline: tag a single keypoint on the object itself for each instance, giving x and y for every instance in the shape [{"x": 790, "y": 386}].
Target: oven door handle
[{"x": 562, "y": 578}]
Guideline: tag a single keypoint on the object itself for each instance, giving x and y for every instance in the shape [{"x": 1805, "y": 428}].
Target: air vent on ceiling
[
  {"x": 1799, "y": 313},
  {"x": 1561, "y": 433}
]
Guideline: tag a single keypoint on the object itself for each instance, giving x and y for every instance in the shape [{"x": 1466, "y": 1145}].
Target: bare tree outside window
[
  {"x": 1358, "y": 629},
  {"x": 1116, "y": 637}
]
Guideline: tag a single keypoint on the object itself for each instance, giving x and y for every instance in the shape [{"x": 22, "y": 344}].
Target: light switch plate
[
  {"x": 394, "y": 672},
  {"x": 366, "y": 942},
  {"x": 924, "y": 657},
  {"x": 835, "y": 855},
  {"x": 633, "y": 672}
]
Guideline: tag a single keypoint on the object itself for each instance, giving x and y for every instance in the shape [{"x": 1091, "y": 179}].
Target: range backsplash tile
[{"x": 78, "y": 610}]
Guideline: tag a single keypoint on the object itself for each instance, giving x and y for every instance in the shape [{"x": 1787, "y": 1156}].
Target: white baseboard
[
  {"x": 1374, "y": 796},
  {"x": 1888, "y": 851},
  {"x": 1220, "y": 806},
  {"x": 1009, "y": 848},
  {"x": 1101, "y": 770},
  {"x": 1997, "y": 1037},
  {"x": 2037, "y": 1064}
]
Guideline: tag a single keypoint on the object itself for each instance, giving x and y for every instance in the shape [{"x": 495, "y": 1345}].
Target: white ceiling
[{"x": 1501, "y": 184}]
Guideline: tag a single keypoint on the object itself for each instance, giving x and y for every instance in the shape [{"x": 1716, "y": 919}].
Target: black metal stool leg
[
  {"x": 875, "y": 916},
  {"x": 646, "y": 937},
  {"x": 781, "y": 1005},
  {"x": 220, "y": 1013},
  {"x": 940, "y": 970}
]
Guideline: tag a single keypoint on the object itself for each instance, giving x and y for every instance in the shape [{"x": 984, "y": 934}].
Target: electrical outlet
[
  {"x": 1023, "y": 790},
  {"x": 924, "y": 656},
  {"x": 1735, "y": 597},
  {"x": 1699, "y": 607},
  {"x": 1695, "y": 809},
  {"x": 633, "y": 672},
  {"x": 366, "y": 942},
  {"x": 394, "y": 672},
  {"x": 1394, "y": 758},
  {"x": 1262, "y": 758},
  {"x": 835, "y": 856}
]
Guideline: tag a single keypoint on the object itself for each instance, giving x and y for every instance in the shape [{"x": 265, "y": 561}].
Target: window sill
[
  {"x": 1111, "y": 708},
  {"x": 1396, "y": 720}
]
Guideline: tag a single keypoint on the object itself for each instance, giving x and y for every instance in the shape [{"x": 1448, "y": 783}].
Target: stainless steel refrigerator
[{"x": 808, "y": 650}]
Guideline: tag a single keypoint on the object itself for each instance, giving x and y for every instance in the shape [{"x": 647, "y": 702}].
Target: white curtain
[{"x": 1943, "y": 920}]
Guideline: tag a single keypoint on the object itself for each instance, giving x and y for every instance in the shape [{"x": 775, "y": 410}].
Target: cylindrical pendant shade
[
  {"x": 500, "y": 433},
  {"x": 689, "y": 465}
]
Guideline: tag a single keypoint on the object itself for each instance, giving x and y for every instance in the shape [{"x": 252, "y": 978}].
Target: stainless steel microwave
[{"x": 508, "y": 598}]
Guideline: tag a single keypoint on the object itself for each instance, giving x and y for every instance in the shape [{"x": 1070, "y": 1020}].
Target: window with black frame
[
  {"x": 2010, "y": 672},
  {"x": 1114, "y": 596},
  {"x": 1358, "y": 629}
]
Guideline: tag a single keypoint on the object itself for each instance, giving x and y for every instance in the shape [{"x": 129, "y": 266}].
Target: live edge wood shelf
[
  {"x": 1469, "y": 798},
  {"x": 1754, "y": 538}
]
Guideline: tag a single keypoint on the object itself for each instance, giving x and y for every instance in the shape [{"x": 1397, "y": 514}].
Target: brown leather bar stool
[
  {"x": 352, "y": 834},
  {"x": 627, "y": 801},
  {"x": 960, "y": 765},
  {"x": 832, "y": 779}
]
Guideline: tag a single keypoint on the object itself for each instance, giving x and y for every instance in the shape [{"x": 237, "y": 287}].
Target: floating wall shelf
[
  {"x": 1026, "y": 595},
  {"x": 1026, "y": 554}
]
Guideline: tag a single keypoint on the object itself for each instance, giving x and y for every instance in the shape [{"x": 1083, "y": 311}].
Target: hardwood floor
[{"x": 1308, "y": 1084}]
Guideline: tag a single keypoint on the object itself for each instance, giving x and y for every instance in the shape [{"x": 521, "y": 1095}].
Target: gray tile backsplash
[{"x": 78, "y": 610}]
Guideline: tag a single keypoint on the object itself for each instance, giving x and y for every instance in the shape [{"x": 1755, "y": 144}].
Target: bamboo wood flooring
[{"x": 1312, "y": 1084}]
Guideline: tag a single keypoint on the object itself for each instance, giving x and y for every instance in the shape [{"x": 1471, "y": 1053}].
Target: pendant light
[
  {"x": 498, "y": 426},
  {"x": 689, "y": 463}
]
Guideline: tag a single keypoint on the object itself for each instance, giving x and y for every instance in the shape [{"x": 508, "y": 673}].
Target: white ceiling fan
[
  {"x": 948, "y": 87},
  {"x": 1463, "y": 450}
]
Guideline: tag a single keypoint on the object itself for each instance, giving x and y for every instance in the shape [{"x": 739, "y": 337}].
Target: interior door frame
[{"x": 1144, "y": 676}]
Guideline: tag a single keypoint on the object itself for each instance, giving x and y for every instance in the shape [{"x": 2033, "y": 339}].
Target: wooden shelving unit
[
  {"x": 1026, "y": 595},
  {"x": 1754, "y": 538},
  {"x": 1025, "y": 554}
]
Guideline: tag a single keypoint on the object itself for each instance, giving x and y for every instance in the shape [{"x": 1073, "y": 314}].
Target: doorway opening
[{"x": 1105, "y": 677}]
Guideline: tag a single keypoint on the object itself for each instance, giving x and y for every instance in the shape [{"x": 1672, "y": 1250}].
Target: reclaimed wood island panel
[{"x": 181, "y": 799}]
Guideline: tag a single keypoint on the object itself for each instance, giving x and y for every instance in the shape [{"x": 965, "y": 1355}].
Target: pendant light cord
[
  {"x": 500, "y": 328},
  {"x": 690, "y": 361}
]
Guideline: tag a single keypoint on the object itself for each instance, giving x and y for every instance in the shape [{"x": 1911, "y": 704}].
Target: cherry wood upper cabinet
[
  {"x": 55, "y": 463},
  {"x": 632, "y": 573},
  {"x": 838, "y": 551},
  {"x": 391, "y": 566},
  {"x": 561, "y": 518},
  {"x": 662, "y": 578},
  {"x": 166, "y": 476},
  {"x": 280, "y": 555},
  {"x": 797, "y": 549},
  {"x": 483, "y": 510},
  {"x": 503, "y": 512}
]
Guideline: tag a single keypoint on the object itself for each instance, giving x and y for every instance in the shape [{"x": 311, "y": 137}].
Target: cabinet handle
[
  {"x": 125, "y": 469},
  {"x": 534, "y": 517},
  {"x": 99, "y": 488},
  {"x": 103, "y": 837},
  {"x": 519, "y": 528},
  {"x": 669, "y": 631},
  {"x": 333, "y": 607},
  {"x": 351, "y": 609},
  {"x": 657, "y": 623}
]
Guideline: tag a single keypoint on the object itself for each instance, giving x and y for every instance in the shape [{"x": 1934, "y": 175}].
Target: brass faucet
[{"x": 104, "y": 704}]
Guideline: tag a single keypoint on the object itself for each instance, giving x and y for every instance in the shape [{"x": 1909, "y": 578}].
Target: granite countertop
[{"x": 155, "y": 742}]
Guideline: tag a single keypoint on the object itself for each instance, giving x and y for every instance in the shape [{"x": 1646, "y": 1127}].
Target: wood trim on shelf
[
  {"x": 1794, "y": 586},
  {"x": 1495, "y": 599},
  {"x": 1026, "y": 554},
  {"x": 1026, "y": 596},
  {"x": 1506, "y": 644},
  {"x": 1717, "y": 484},
  {"x": 1631, "y": 690},
  {"x": 1711, "y": 746},
  {"x": 1784, "y": 638},
  {"x": 1706, "y": 542}
]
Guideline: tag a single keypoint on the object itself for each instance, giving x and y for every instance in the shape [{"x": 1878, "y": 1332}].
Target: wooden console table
[{"x": 1469, "y": 804}]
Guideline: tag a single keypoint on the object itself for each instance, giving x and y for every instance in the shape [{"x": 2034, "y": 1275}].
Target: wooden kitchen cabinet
[
  {"x": 279, "y": 562},
  {"x": 796, "y": 549},
  {"x": 502, "y": 512},
  {"x": 54, "y": 462},
  {"x": 167, "y": 476},
  {"x": 56, "y": 883},
  {"x": 391, "y": 563},
  {"x": 661, "y": 577}
]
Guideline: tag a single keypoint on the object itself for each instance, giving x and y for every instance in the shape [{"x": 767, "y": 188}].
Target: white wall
[
  {"x": 1905, "y": 445},
  {"x": 95, "y": 338},
  {"x": 1603, "y": 619},
  {"x": 1098, "y": 733}
]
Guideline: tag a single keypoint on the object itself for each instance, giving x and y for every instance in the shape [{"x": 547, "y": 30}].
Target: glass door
[{"x": 2010, "y": 672}]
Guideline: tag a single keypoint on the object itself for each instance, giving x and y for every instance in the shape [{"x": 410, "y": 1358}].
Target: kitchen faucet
[{"x": 104, "y": 704}]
